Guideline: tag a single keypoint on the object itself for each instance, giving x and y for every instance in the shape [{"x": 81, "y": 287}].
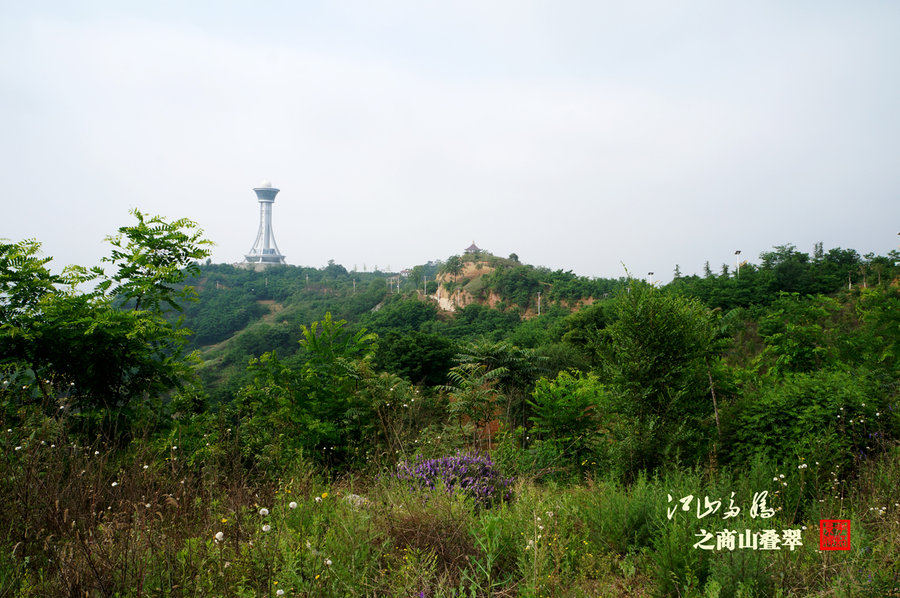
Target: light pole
[
  {"x": 737, "y": 262},
  {"x": 650, "y": 277}
]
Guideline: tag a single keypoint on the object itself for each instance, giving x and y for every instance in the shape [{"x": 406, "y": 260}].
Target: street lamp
[
  {"x": 650, "y": 277},
  {"x": 737, "y": 262}
]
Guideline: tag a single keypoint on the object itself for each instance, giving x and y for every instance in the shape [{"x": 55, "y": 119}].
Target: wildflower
[
  {"x": 114, "y": 484},
  {"x": 318, "y": 499},
  {"x": 292, "y": 505},
  {"x": 279, "y": 592},
  {"x": 18, "y": 448},
  {"x": 220, "y": 536},
  {"x": 324, "y": 495},
  {"x": 264, "y": 512},
  {"x": 96, "y": 452},
  {"x": 266, "y": 527},
  {"x": 224, "y": 520},
  {"x": 327, "y": 562},
  {"x": 146, "y": 466},
  {"x": 147, "y": 505},
  {"x": 781, "y": 475}
]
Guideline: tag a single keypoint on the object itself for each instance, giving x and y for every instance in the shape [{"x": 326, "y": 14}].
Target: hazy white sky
[{"x": 580, "y": 135}]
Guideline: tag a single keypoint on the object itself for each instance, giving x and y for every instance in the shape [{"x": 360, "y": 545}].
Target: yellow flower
[
  {"x": 224, "y": 520},
  {"x": 317, "y": 577},
  {"x": 324, "y": 495}
]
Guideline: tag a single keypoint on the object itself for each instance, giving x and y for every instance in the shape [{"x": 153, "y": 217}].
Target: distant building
[
  {"x": 265, "y": 251},
  {"x": 473, "y": 248}
]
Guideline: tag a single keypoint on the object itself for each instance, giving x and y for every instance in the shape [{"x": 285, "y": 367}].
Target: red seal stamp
[{"x": 834, "y": 534}]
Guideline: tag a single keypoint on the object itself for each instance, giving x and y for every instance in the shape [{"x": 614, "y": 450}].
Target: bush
[
  {"x": 837, "y": 418},
  {"x": 473, "y": 475}
]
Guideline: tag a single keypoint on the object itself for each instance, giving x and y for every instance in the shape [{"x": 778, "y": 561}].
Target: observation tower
[{"x": 265, "y": 250}]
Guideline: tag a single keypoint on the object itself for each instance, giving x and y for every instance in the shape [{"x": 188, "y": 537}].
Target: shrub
[{"x": 473, "y": 475}]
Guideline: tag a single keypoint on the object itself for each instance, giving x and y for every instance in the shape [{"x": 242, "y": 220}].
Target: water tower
[{"x": 265, "y": 250}]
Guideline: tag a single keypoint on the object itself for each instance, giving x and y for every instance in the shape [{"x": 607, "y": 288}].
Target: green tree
[
  {"x": 315, "y": 408},
  {"x": 419, "y": 357},
  {"x": 151, "y": 258},
  {"x": 110, "y": 361},
  {"x": 565, "y": 413},
  {"x": 799, "y": 334},
  {"x": 452, "y": 267},
  {"x": 657, "y": 357},
  {"x": 473, "y": 395},
  {"x": 514, "y": 369}
]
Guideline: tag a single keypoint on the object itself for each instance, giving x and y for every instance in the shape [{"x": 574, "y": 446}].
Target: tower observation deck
[{"x": 265, "y": 250}]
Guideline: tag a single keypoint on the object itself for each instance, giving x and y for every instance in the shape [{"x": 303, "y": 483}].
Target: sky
[{"x": 590, "y": 136}]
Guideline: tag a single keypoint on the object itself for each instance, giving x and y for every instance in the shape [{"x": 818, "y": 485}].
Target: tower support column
[{"x": 265, "y": 250}]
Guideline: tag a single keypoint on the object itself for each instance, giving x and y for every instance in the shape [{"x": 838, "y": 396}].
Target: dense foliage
[{"x": 258, "y": 463}]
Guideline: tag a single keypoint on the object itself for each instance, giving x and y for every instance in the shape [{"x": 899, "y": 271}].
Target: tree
[
  {"x": 473, "y": 395},
  {"x": 452, "y": 267},
  {"x": 799, "y": 334},
  {"x": 316, "y": 407},
  {"x": 110, "y": 360},
  {"x": 419, "y": 357},
  {"x": 514, "y": 369},
  {"x": 153, "y": 256},
  {"x": 565, "y": 412},
  {"x": 656, "y": 356}
]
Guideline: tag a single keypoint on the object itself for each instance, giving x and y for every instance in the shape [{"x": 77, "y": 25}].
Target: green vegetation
[{"x": 308, "y": 438}]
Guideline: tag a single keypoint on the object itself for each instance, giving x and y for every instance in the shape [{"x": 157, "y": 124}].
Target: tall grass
[{"x": 164, "y": 519}]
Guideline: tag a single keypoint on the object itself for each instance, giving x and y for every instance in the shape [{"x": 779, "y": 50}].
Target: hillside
[{"x": 302, "y": 452}]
